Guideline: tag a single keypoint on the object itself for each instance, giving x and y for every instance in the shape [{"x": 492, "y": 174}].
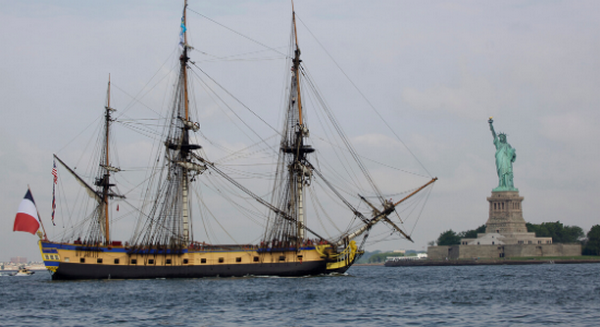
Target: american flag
[{"x": 55, "y": 174}]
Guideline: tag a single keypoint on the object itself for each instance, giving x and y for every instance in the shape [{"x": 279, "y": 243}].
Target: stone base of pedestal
[{"x": 505, "y": 213}]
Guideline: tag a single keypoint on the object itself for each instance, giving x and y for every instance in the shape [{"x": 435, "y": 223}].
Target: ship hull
[
  {"x": 71, "y": 261},
  {"x": 68, "y": 271}
]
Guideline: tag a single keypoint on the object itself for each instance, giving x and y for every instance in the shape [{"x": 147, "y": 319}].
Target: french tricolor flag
[{"x": 27, "y": 219}]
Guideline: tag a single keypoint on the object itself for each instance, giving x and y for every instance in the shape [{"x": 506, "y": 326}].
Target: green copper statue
[{"x": 505, "y": 156}]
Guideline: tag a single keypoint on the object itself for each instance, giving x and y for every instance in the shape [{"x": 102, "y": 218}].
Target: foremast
[{"x": 295, "y": 172}]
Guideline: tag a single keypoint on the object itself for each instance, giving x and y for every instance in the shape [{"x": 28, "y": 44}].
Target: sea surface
[{"x": 533, "y": 295}]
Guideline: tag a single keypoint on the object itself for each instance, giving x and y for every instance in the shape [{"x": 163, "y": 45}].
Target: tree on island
[
  {"x": 472, "y": 233},
  {"x": 592, "y": 244},
  {"x": 366, "y": 256},
  {"x": 558, "y": 232},
  {"x": 448, "y": 237}
]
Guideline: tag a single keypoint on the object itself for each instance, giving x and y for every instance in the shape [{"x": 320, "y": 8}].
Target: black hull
[{"x": 70, "y": 271}]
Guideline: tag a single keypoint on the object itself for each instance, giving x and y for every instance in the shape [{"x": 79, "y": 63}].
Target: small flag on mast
[
  {"x": 27, "y": 219},
  {"x": 181, "y": 35},
  {"x": 55, "y": 174}
]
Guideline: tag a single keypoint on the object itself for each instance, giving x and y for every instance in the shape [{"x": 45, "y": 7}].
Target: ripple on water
[{"x": 539, "y": 295}]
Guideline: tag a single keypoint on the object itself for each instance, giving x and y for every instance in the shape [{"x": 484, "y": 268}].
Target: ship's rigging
[{"x": 183, "y": 173}]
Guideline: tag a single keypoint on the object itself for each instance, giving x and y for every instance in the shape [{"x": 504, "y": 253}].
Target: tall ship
[{"x": 163, "y": 244}]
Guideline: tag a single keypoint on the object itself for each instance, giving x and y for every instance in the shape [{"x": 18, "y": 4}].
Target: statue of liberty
[{"x": 505, "y": 156}]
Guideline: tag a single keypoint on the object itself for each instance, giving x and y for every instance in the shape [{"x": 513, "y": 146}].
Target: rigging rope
[
  {"x": 241, "y": 103},
  {"x": 342, "y": 135},
  {"x": 236, "y": 32},
  {"x": 365, "y": 98},
  {"x": 257, "y": 198}
]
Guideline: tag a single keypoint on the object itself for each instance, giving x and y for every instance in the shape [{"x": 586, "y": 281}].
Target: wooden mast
[
  {"x": 299, "y": 167},
  {"x": 416, "y": 191},
  {"x": 106, "y": 165},
  {"x": 184, "y": 62},
  {"x": 389, "y": 208},
  {"x": 297, "y": 66},
  {"x": 104, "y": 180},
  {"x": 185, "y": 186}
]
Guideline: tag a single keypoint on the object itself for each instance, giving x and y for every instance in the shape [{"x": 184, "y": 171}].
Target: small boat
[
  {"x": 163, "y": 244},
  {"x": 24, "y": 272}
]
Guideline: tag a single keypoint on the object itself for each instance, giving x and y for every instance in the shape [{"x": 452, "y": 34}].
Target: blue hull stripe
[{"x": 51, "y": 248}]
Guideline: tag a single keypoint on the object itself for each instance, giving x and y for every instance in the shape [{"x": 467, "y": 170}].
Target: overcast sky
[{"x": 435, "y": 70}]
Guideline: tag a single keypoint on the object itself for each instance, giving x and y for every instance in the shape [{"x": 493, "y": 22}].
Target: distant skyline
[{"x": 436, "y": 71}]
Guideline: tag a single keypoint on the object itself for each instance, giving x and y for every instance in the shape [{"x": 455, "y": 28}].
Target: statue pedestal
[
  {"x": 505, "y": 224},
  {"x": 506, "y": 215}
]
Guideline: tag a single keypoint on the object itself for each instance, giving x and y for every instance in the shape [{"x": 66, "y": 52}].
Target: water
[{"x": 539, "y": 295}]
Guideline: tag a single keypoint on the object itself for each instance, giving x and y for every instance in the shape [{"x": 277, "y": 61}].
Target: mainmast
[
  {"x": 185, "y": 157},
  {"x": 184, "y": 59},
  {"x": 185, "y": 182},
  {"x": 169, "y": 220}
]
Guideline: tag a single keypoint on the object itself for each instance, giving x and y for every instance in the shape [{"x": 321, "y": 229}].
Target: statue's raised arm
[{"x": 491, "y": 120}]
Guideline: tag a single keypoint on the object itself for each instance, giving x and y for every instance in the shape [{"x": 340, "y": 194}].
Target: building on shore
[
  {"x": 419, "y": 256},
  {"x": 18, "y": 260}
]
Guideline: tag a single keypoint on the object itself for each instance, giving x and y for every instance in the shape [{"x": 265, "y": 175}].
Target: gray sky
[{"x": 435, "y": 70}]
